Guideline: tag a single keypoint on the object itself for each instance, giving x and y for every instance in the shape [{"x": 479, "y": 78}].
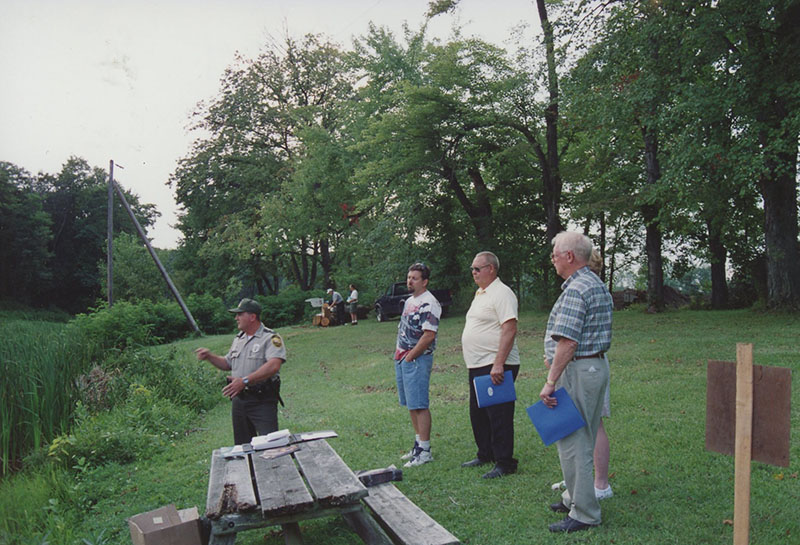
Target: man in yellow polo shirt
[{"x": 489, "y": 347}]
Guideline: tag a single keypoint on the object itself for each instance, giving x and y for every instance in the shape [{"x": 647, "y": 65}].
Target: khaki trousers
[{"x": 585, "y": 380}]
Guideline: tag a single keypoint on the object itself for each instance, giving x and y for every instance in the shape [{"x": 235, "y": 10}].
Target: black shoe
[
  {"x": 475, "y": 462},
  {"x": 570, "y": 525},
  {"x": 559, "y": 507},
  {"x": 498, "y": 472}
]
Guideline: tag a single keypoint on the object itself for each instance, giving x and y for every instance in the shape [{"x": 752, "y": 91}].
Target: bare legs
[
  {"x": 601, "y": 456},
  {"x": 421, "y": 420}
]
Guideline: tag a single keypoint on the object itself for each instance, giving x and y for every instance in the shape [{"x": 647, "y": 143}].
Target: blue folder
[
  {"x": 556, "y": 423},
  {"x": 489, "y": 394}
]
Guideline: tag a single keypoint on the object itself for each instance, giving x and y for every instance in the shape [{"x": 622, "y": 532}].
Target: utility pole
[
  {"x": 157, "y": 261},
  {"x": 110, "y": 229}
]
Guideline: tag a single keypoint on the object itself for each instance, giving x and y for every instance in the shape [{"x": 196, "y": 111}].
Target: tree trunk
[
  {"x": 612, "y": 264},
  {"x": 602, "y": 248},
  {"x": 326, "y": 261},
  {"x": 312, "y": 278},
  {"x": 300, "y": 270},
  {"x": 719, "y": 257},
  {"x": 774, "y": 72},
  {"x": 480, "y": 212},
  {"x": 655, "y": 266},
  {"x": 296, "y": 270},
  {"x": 551, "y": 174},
  {"x": 779, "y": 190}
]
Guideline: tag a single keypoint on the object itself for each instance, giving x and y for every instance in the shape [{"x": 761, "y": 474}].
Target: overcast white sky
[{"x": 114, "y": 79}]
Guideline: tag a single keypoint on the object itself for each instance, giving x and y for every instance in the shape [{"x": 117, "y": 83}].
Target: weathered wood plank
[
  {"x": 403, "y": 520},
  {"x": 242, "y": 522},
  {"x": 329, "y": 478},
  {"x": 367, "y": 528},
  {"x": 230, "y": 487},
  {"x": 280, "y": 487}
]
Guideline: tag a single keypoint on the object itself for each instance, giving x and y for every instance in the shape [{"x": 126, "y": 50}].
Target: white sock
[
  {"x": 425, "y": 445},
  {"x": 416, "y": 438}
]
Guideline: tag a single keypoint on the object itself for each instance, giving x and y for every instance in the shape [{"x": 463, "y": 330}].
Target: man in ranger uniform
[{"x": 255, "y": 360}]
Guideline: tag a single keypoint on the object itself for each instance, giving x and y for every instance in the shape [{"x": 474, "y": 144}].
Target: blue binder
[
  {"x": 556, "y": 423},
  {"x": 489, "y": 394}
]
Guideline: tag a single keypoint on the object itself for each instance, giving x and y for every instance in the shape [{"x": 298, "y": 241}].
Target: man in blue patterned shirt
[
  {"x": 578, "y": 336},
  {"x": 416, "y": 340}
]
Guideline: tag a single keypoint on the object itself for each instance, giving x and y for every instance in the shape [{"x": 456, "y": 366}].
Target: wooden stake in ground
[
  {"x": 748, "y": 415},
  {"x": 744, "y": 439}
]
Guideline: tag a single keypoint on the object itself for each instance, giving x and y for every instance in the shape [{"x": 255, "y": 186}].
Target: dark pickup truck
[{"x": 391, "y": 303}]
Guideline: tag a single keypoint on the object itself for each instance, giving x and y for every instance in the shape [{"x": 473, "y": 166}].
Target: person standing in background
[
  {"x": 352, "y": 302},
  {"x": 602, "y": 447},
  {"x": 338, "y": 305}
]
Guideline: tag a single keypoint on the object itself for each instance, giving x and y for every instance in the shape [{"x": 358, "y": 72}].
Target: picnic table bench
[{"x": 254, "y": 492}]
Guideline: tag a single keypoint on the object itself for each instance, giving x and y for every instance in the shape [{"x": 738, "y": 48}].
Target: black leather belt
[{"x": 598, "y": 355}]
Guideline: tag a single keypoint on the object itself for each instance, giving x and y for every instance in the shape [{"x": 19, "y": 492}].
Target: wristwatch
[{"x": 246, "y": 380}]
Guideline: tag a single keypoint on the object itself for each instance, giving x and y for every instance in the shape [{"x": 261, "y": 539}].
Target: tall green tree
[
  {"x": 25, "y": 236},
  {"x": 441, "y": 143},
  {"x": 136, "y": 276},
  {"x": 630, "y": 78},
  {"x": 76, "y": 200},
  {"x": 758, "y": 44},
  {"x": 239, "y": 185},
  {"x": 536, "y": 119}
]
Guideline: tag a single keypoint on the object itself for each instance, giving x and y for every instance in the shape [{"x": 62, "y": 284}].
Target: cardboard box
[{"x": 166, "y": 526}]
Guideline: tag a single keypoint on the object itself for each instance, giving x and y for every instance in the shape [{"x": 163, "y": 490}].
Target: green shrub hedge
[
  {"x": 144, "y": 323},
  {"x": 133, "y": 404},
  {"x": 287, "y": 308}
]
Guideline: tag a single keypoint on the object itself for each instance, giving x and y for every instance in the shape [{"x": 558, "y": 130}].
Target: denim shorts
[{"x": 413, "y": 381}]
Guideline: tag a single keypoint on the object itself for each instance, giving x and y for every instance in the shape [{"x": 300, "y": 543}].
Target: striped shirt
[{"x": 582, "y": 313}]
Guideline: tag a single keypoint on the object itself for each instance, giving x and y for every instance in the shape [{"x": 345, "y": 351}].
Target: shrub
[
  {"x": 143, "y": 424},
  {"x": 169, "y": 322},
  {"x": 123, "y": 325},
  {"x": 145, "y": 323},
  {"x": 288, "y": 307},
  {"x": 210, "y": 314},
  {"x": 177, "y": 379}
]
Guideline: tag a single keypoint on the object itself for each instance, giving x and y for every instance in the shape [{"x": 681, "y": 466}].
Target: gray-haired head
[
  {"x": 490, "y": 259},
  {"x": 579, "y": 244}
]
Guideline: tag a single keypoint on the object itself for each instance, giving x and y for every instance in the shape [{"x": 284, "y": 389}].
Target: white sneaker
[
  {"x": 422, "y": 457},
  {"x": 410, "y": 454},
  {"x": 603, "y": 494}
]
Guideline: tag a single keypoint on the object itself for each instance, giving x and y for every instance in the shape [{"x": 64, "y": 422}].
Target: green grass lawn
[{"x": 667, "y": 487}]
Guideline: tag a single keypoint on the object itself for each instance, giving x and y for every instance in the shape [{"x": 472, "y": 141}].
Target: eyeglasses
[
  {"x": 478, "y": 269},
  {"x": 556, "y": 254}
]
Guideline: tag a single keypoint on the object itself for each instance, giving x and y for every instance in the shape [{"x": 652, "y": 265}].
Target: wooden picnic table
[{"x": 253, "y": 492}]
